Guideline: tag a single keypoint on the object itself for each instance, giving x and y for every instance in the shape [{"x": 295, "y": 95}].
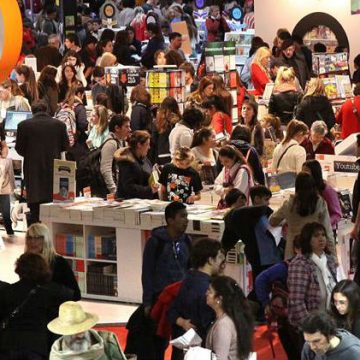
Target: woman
[
  {"x": 285, "y": 95},
  {"x": 38, "y": 241},
  {"x": 196, "y": 98},
  {"x": 25, "y": 77},
  {"x": 122, "y": 49},
  {"x": 259, "y": 69},
  {"x": 160, "y": 58},
  {"x": 135, "y": 168},
  {"x": 68, "y": 79},
  {"x": 241, "y": 138},
  {"x": 203, "y": 148},
  {"x": 315, "y": 105},
  {"x": 216, "y": 111},
  {"x": 216, "y": 25},
  {"x": 166, "y": 118},
  {"x": 220, "y": 90},
  {"x": 134, "y": 43},
  {"x": 48, "y": 88},
  {"x": 329, "y": 194},
  {"x": 100, "y": 129},
  {"x": 72, "y": 58},
  {"x": 141, "y": 115},
  {"x": 139, "y": 24},
  {"x": 27, "y": 306},
  {"x": 272, "y": 128},
  {"x": 345, "y": 306},
  {"x": 155, "y": 43},
  {"x": 303, "y": 207},
  {"x": 107, "y": 59},
  {"x": 234, "y": 174},
  {"x": 190, "y": 82},
  {"x": 104, "y": 46},
  {"x": 230, "y": 337},
  {"x": 248, "y": 118},
  {"x": 289, "y": 155},
  {"x": 12, "y": 98},
  {"x": 311, "y": 274}
]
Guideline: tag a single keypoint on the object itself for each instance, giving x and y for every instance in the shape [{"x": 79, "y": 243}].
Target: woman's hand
[
  {"x": 155, "y": 188},
  {"x": 191, "y": 199}
]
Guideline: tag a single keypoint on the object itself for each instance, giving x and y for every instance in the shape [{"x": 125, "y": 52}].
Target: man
[
  {"x": 316, "y": 142},
  {"x": 79, "y": 340},
  {"x": 49, "y": 54},
  {"x": 189, "y": 309},
  {"x": 40, "y": 140},
  {"x": 72, "y": 42},
  {"x": 100, "y": 82},
  {"x": 250, "y": 224},
  {"x": 49, "y": 25},
  {"x": 119, "y": 131},
  {"x": 324, "y": 342},
  {"x": 175, "y": 39},
  {"x": 349, "y": 115}
]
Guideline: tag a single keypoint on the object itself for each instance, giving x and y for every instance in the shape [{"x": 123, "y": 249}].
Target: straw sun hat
[{"x": 72, "y": 320}]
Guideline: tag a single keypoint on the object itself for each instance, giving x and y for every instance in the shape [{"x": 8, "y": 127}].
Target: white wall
[{"x": 273, "y": 14}]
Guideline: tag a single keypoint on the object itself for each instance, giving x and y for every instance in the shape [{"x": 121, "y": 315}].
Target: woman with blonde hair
[
  {"x": 38, "y": 241},
  {"x": 260, "y": 75},
  {"x": 100, "y": 129},
  {"x": 11, "y": 97},
  {"x": 285, "y": 96},
  {"x": 315, "y": 105},
  {"x": 107, "y": 59},
  {"x": 289, "y": 155}
]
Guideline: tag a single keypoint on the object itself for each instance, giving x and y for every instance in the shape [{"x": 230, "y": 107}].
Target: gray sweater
[{"x": 348, "y": 349}]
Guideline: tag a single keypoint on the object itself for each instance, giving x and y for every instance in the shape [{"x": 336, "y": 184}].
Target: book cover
[{"x": 91, "y": 246}]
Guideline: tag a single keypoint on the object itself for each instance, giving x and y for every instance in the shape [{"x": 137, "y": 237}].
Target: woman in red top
[
  {"x": 349, "y": 115},
  {"x": 216, "y": 25},
  {"x": 259, "y": 70},
  {"x": 220, "y": 119}
]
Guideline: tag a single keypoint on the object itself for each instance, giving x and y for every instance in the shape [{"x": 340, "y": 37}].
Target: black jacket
[
  {"x": 141, "y": 117},
  {"x": 134, "y": 175},
  {"x": 28, "y": 329},
  {"x": 312, "y": 108},
  {"x": 123, "y": 55},
  {"x": 40, "y": 140},
  {"x": 154, "y": 44},
  {"x": 282, "y": 104},
  {"x": 298, "y": 63}
]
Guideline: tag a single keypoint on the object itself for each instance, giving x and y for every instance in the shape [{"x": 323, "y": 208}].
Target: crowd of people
[{"x": 75, "y": 109}]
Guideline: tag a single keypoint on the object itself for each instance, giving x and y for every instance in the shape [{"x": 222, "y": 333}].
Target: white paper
[
  {"x": 190, "y": 338},
  {"x": 276, "y": 233}
]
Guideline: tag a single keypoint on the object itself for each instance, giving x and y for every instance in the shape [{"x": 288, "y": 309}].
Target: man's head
[
  {"x": 54, "y": 41},
  {"x": 175, "y": 40},
  {"x": 318, "y": 131},
  {"x": 176, "y": 217},
  {"x": 39, "y": 106},
  {"x": 318, "y": 329},
  {"x": 260, "y": 195},
  {"x": 193, "y": 118},
  {"x": 99, "y": 75},
  {"x": 208, "y": 256},
  {"x": 235, "y": 199},
  {"x": 120, "y": 126},
  {"x": 71, "y": 41}
]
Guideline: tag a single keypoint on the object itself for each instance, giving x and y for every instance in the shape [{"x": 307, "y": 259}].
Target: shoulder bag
[{"x": 286, "y": 179}]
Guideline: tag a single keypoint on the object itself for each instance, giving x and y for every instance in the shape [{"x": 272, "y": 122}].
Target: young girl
[
  {"x": 179, "y": 181},
  {"x": 100, "y": 129}
]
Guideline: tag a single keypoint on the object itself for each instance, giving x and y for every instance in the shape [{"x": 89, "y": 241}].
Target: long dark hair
[
  {"x": 351, "y": 290},
  {"x": 216, "y": 102},
  {"x": 236, "y": 306},
  {"x": 316, "y": 172},
  {"x": 47, "y": 77},
  {"x": 201, "y": 136},
  {"x": 166, "y": 115},
  {"x": 306, "y": 194},
  {"x": 232, "y": 153},
  {"x": 307, "y": 232}
]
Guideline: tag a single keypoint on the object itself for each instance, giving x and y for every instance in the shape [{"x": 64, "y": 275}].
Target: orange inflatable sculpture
[{"x": 11, "y": 34}]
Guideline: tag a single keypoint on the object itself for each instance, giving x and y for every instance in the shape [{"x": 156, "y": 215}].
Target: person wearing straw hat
[{"x": 79, "y": 340}]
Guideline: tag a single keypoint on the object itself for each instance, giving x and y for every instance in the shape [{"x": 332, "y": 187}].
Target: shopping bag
[{"x": 199, "y": 353}]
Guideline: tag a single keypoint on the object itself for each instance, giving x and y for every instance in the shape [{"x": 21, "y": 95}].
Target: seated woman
[
  {"x": 230, "y": 337},
  {"x": 285, "y": 95},
  {"x": 260, "y": 75},
  {"x": 203, "y": 148},
  {"x": 179, "y": 181},
  {"x": 38, "y": 241},
  {"x": 304, "y": 207},
  {"x": 311, "y": 274},
  {"x": 12, "y": 98},
  {"x": 329, "y": 194},
  {"x": 135, "y": 168},
  {"x": 27, "y": 306},
  {"x": 100, "y": 127},
  {"x": 289, "y": 156},
  {"x": 220, "y": 118},
  {"x": 317, "y": 142},
  {"x": 235, "y": 173},
  {"x": 345, "y": 306}
]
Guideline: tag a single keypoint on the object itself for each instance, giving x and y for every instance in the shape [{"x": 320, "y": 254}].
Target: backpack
[
  {"x": 67, "y": 116},
  {"x": 88, "y": 171}
]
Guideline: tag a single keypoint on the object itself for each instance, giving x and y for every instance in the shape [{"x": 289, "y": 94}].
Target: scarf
[{"x": 330, "y": 282}]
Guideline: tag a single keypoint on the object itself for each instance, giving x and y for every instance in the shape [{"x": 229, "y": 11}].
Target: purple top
[{"x": 332, "y": 200}]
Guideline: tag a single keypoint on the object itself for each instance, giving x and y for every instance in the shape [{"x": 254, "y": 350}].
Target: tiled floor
[{"x": 109, "y": 313}]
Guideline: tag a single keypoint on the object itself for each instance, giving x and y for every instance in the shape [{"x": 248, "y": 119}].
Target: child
[{"x": 179, "y": 181}]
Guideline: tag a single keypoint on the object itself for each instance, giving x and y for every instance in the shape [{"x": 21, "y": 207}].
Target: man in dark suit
[{"x": 40, "y": 140}]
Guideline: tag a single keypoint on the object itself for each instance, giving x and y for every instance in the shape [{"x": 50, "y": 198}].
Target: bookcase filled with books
[{"x": 162, "y": 83}]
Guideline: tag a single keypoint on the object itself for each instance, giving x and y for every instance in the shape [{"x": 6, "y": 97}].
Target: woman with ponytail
[
  {"x": 230, "y": 337},
  {"x": 25, "y": 77}
]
